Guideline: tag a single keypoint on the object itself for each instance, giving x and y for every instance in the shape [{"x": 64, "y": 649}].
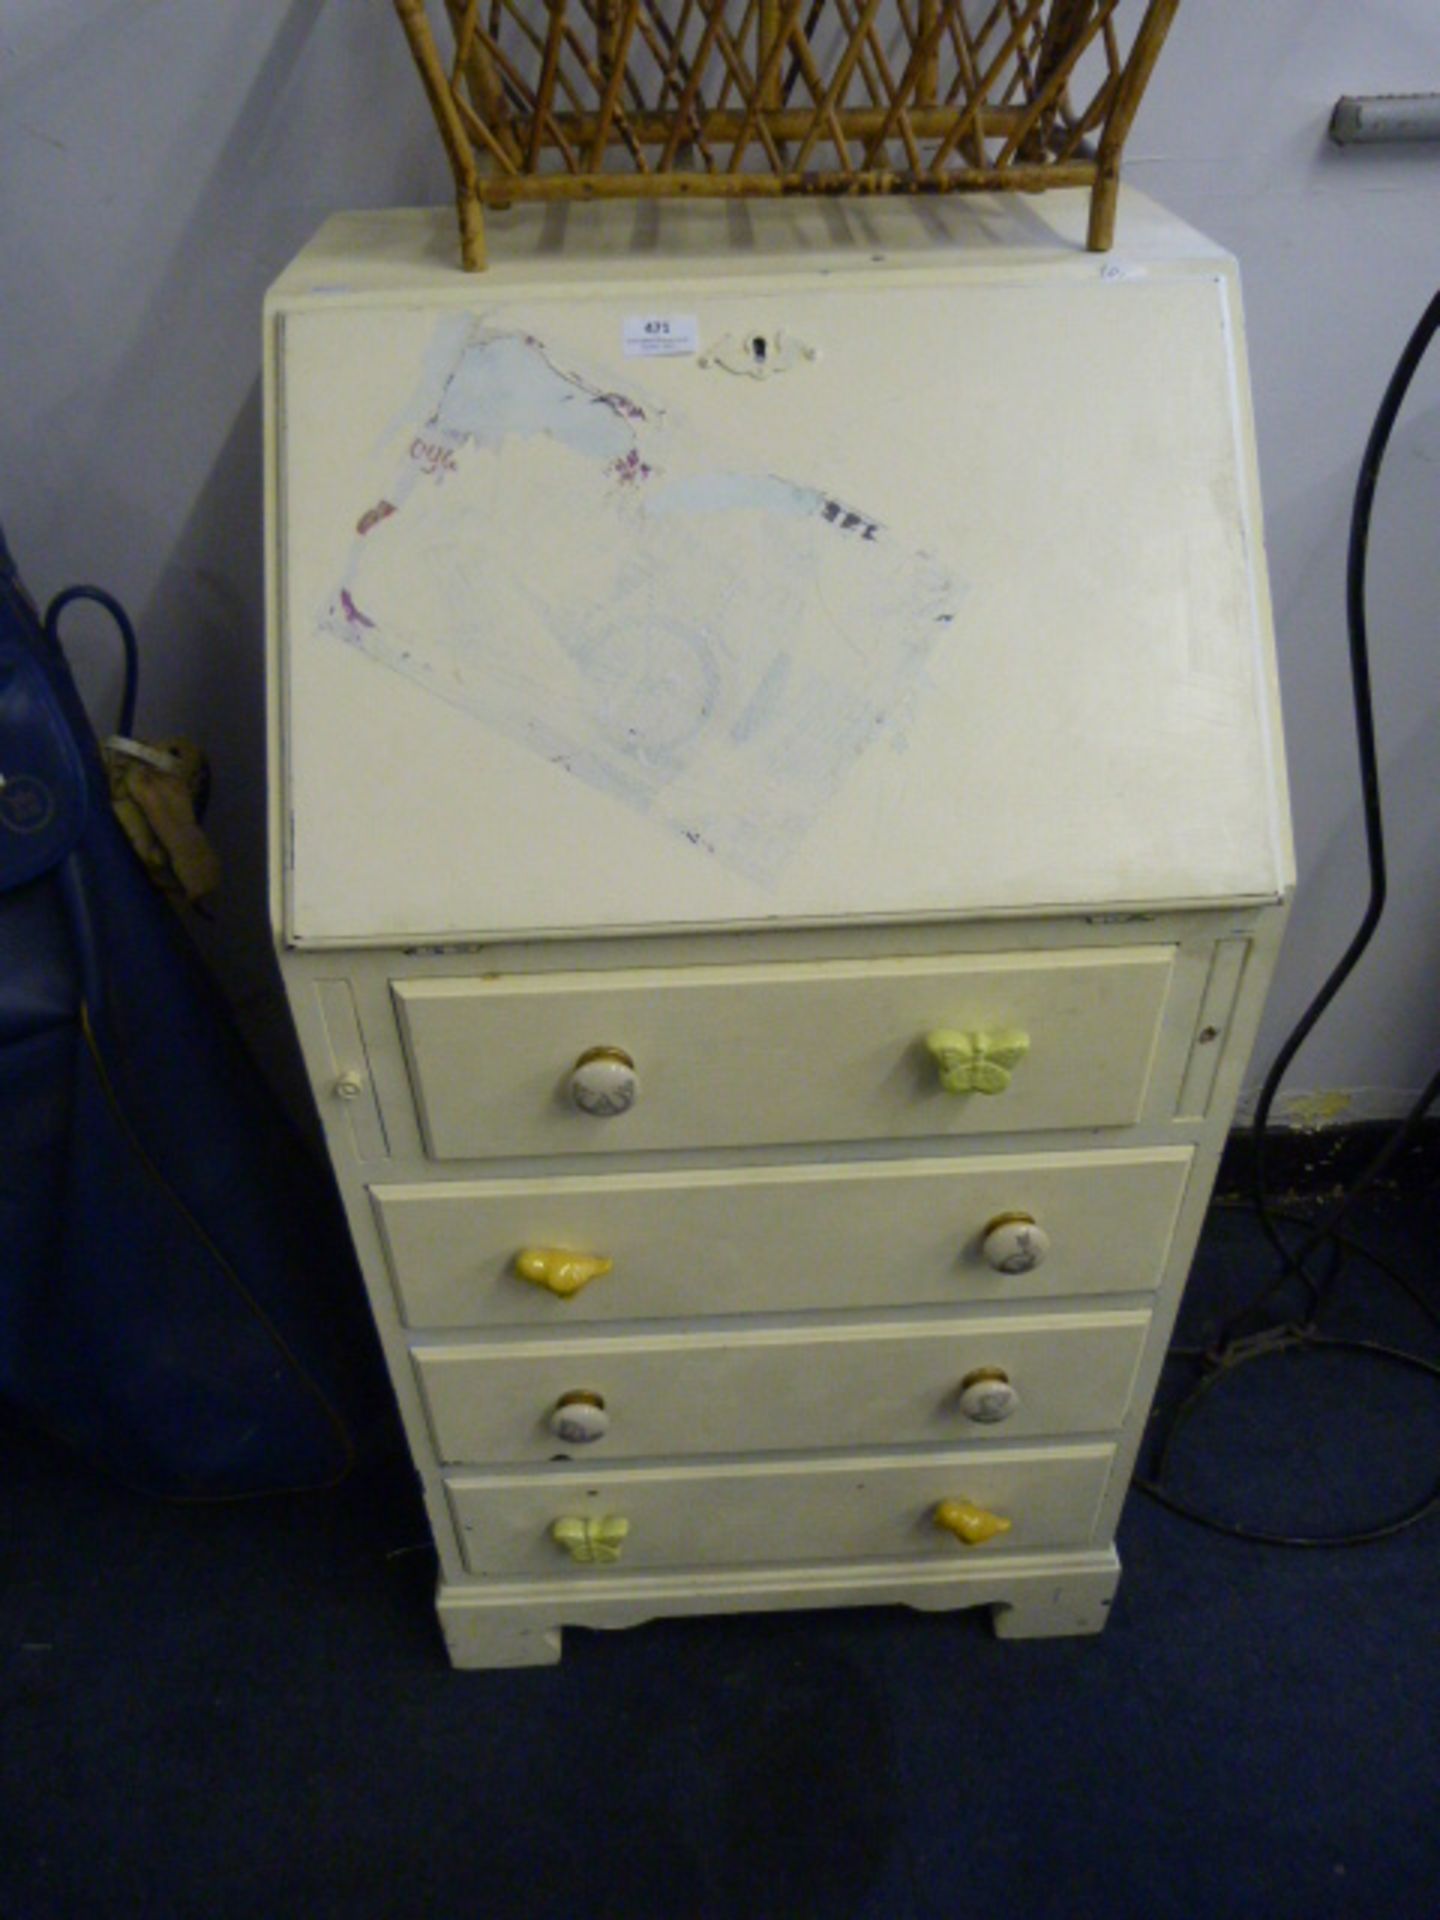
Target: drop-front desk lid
[{"x": 919, "y": 575}]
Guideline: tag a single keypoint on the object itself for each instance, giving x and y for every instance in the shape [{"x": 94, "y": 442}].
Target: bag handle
[{"x": 118, "y": 614}]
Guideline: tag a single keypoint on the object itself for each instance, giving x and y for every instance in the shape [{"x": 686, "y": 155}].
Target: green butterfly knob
[
  {"x": 979, "y": 1062},
  {"x": 593, "y": 1543}
]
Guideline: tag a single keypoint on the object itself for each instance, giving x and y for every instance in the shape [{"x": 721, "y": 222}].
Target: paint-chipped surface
[
  {"x": 668, "y": 610},
  {"x": 711, "y": 644}
]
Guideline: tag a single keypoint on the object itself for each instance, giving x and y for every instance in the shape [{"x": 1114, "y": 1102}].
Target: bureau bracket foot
[
  {"x": 497, "y": 1637},
  {"x": 518, "y": 1623},
  {"x": 1078, "y": 1603}
]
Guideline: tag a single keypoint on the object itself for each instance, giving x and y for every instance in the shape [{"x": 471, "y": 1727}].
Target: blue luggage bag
[{"x": 178, "y": 1297}]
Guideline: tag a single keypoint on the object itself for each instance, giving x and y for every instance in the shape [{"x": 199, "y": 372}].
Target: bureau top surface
[{"x": 922, "y": 577}]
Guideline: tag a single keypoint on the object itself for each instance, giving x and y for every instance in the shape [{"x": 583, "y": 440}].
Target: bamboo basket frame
[{"x": 555, "y": 99}]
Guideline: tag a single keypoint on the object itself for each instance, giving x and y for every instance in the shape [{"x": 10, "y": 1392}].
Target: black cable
[
  {"x": 127, "y": 636},
  {"x": 1232, "y": 1348},
  {"x": 1294, "y": 1259},
  {"x": 1287, "y": 1341},
  {"x": 1357, "y": 627},
  {"x": 85, "y": 945},
  {"x": 1358, "y": 1248},
  {"x": 1217, "y": 1365}
]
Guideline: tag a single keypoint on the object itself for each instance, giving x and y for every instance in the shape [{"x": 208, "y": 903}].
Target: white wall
[
  {"x": 1340, "y": 252},
  {"x": 161, "y": 159}
]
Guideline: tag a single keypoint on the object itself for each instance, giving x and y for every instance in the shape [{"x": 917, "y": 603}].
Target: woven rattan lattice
[{"x": 579, "y": 99}]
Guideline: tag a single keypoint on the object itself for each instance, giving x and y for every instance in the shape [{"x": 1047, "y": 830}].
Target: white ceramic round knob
[
  {"x": 1015, "y": 1243},
  {"x": 579, "y": 1418},
  {"x": 987, "y": 1397},
  {"x": 603, "y": 1082}
]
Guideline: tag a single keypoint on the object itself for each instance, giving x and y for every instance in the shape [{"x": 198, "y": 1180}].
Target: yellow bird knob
[
  {"x": 560, "y": 1270},
  {"x": 970, "y": 1524},
  {"x": 977, "y": 1062}
]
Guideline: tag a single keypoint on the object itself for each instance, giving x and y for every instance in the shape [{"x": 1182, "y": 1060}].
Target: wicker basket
[{"x": 580, "y": 99}]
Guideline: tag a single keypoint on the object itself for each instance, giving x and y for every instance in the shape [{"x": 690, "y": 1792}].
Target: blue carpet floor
[{"x": 244, "y": 1712}]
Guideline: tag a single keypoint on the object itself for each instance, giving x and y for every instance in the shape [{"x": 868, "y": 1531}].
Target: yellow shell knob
[
  {"x": 976, "y": 1062},
  {"x": 971, "y": 1524},
  {"x": 592, "y": 1543},
  {"x": 560, "y": 1270}
]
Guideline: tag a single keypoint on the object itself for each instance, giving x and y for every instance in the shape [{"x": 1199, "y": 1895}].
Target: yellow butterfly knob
[
  {"x": 593, "y": 1543},
  {"x": 979, "y": 1062},
  {"x": 559, "y": 1270},
  {"x": 971, "y": 1524}
]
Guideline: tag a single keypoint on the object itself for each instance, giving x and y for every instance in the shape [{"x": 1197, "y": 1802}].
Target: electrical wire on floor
[{"x": 1255, "y": 1332}]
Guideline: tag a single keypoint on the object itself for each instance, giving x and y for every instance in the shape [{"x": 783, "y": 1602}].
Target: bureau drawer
[
  {"x": 776, "y": 1389},
  {"x": 774, "y": 1512},
  {"x": 781, "y": 1239},
  {"x": 836, "y": 1050}
]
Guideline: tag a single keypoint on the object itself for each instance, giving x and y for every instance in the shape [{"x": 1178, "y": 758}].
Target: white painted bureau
[{"x": 778, "y": 848}]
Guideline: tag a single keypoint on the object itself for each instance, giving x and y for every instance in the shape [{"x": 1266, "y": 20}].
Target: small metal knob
[
  {"x": 987, "y": 1397},
  {"x": 580, "y": 1417},
  {"x": 603, "y": 1082},
  {"x": 1014, "y": 1243}
]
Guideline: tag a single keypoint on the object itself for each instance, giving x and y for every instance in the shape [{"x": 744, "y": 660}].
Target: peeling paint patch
[
  {"x": 619, "y": 403},
  {"x": 506, "y": 387},
  {"x": 380, "y": 511},
  {"x": 630, "y": 470},
  {"x": 351, "y": 612},
  {"x": 713, "y": 647},
  {"x": 764, "y": 702},
  {"x": 736, "y": 493}
]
